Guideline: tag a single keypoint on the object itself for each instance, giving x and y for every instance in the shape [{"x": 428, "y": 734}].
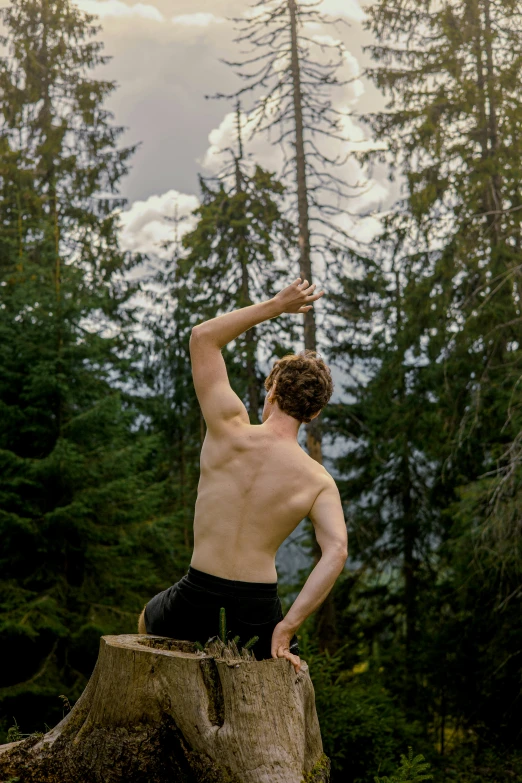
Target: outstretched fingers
[
  {"x": 307, "y": 289},
  {"x": 310, "y": 297},
  {"x": 299, "y": 296}
]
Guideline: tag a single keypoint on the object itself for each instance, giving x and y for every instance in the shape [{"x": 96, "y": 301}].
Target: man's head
[{"x": 301, "y": 384}]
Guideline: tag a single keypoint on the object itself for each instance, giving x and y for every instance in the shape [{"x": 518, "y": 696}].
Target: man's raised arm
[{"x": 219, "y": 403}]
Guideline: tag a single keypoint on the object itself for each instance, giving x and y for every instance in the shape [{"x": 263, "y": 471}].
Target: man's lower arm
[
  {"x": 225, "y": 328},
  {"x": 315, "y": 590}
]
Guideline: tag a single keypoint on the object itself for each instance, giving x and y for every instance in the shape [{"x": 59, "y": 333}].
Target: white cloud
[
  {"x": 224, "y": 137},
  {"x": 351, "y": 63},
  {"x": 351, "y": 131},
  {"x": 220, "y": 138},
  {"x": 367, "y": 229},
  {"x": 258, "y": 11},
  {"x": 144, "y": 225},
  {"x": 197, "y": 20},
  {"x": 104, "y": 8},
  {"x": 327, "y": 40},
  {"x": 351, "y": 66},
  {"x": 349, "y": 8}
]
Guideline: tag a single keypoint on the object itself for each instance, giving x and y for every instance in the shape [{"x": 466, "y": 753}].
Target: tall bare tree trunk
[
  {"x": 156, "y": 711},
  {"x": 410, "y": 529},
  {"x": 326, "y": 619},
  {"x": 305, "y": 260},
  {"x": 488, "y": 112},
  {"x": 254, "y": 401},
  {"x": 251, "y": 346},
  {"x": 496, "y": 182},
  {"x": 49, "y": 172}
]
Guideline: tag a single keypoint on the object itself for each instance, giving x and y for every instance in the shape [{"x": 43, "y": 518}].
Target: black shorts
[{"x": 190, "y": 610}]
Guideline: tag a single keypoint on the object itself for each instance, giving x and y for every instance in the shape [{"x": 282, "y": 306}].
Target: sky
[{"x": 165, "y": 58}]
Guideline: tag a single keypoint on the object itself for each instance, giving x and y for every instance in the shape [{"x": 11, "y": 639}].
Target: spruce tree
[
  {"x": 171, "y": 408},
  {"x": 77, "y": 479},
  {"x": 290, "y": 77},
  {"x": 232, "y": 256},
  {"x": 448, "y": 253},
  {"x": 452, "y": 74},
  {"x": 389, "y": 479},
  {"x": 236, "y": 254}
]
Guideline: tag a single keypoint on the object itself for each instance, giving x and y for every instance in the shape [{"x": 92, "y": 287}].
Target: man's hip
[{"x": 190, "y": 610}]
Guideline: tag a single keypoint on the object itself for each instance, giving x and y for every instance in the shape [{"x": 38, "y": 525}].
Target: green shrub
[
  {"x": 412, "y": 770},
  {"x": 361, "y": 726}
]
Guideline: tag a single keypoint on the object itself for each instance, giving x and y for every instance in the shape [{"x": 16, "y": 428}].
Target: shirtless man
[{"x": 256, "y": 485}]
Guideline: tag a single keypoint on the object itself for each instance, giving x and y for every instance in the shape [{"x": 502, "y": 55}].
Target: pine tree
[
  {"x": 232, "y": 254},
  {"x": 290, "y": 77},
  {"x": 237, "y": 254},
  {"x": 77, "y": 479},
  {"x": 389, "y": 478},
  {"x": 171, "y": 408},
  {"x": 413, "y": 769},
  {"x": 441, "y": 383},
  {"x": 452, "y": 73}
]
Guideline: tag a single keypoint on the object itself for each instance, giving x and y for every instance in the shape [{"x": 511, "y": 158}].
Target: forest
[{"x": 419, "y": 645}]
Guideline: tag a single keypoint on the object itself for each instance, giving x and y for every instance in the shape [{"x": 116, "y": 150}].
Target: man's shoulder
[
  {"x": 319, "y": 469},
  {"x": 323, "y": 479}
]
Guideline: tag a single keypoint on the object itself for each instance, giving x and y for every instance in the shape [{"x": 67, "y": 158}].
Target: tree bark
[
  {"x": 305, "y": 259},
  {"x": 326, "y": 615},
  {"x": 157, "y": 711},
  {"x": 254, "y": 401}
]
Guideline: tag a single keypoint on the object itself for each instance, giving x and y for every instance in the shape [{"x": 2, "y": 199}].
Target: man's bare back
[
  {"x": 255, "y": 488},
  {"x": 256, "y": 482}
]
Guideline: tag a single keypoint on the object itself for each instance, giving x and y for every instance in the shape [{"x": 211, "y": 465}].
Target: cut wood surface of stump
[{"x": 158, "y": 711}]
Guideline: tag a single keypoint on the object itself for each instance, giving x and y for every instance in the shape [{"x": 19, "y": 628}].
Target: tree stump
[{"x": 158, "y": 711}]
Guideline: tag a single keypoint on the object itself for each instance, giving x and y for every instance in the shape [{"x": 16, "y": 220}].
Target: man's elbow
[
  {"x": 337, "y": 556},
  {"x": 197, "y": 334}
]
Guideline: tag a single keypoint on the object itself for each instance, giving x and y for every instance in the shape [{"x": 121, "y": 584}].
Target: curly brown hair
[{"x": 303, "y": 384}]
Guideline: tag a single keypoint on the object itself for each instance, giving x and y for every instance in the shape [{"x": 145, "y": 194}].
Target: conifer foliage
[
  {"x": 236, "y": 255},
  {"x": 452, "y": 73},
  {"x": 289, "y": 76},
  {"x": 74, "y": 486},
  {"x": 413, "y": 769},
  {"x": 430, "y": 336}
]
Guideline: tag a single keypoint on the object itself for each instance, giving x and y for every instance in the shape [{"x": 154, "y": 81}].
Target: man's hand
[
  {"x": 297, "y": 297},
  {"x": 281, "y": 645}
]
